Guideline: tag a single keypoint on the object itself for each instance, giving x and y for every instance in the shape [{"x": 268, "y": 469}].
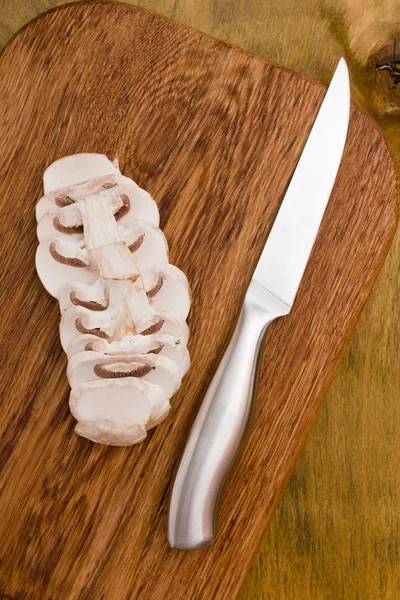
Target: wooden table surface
[{"x": 336, "y": 533}]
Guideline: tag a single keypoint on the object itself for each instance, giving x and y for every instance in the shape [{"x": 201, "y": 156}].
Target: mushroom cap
[
  {"x": 162, "y": 370},
  {"x": 76, "y": 168}
]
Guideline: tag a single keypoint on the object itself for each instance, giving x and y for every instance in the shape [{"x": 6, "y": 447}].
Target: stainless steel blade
[{"x": 288, "y": 247}]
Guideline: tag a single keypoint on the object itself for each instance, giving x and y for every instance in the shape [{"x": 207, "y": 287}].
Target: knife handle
[{"x": 219, "y": 428}]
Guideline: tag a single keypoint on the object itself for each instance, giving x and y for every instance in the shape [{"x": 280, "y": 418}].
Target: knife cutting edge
[{"x": 217, "y": 434}]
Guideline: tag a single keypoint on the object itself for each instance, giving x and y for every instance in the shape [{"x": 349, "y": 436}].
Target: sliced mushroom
[
  {"x": 167, "y": 288},
  {"x": 82, "y": 343},
  {"x": 116, "y": 411},
  {"x": 138, "y": 205},
  {"x": 77, "y": 168},
  {"x": 63, "y": 200},
  {"x": 161, "y": 343},
  {"x": 123, "y": 306},
  {"x": 121, "y": 369},
  {"x": 131, "y": 344},
  {"x": 59, "y": 262},
  {"x": 60, "y": 198},
  {"x": 81, "y": 294},
  {"x": 65, "y": 227},
  {"x": 165, "y": 321},
  {"x": 115, "y": 262},
  {"x": 78, "y": 320},
  {"x": 111, "y": 432},
  {"x": 129, "y": 301},
  {"x": 152, "y": 249},
  {"x": 90, "y": 304},
  {"x": 67, "y": 260},
  {"x": 153, "y": 290},
  {"x": 125, "y": 208},
  {"x": 128, "y": 204},
  {"x": 67, "y": 222},
  {"x": 90, "y": 366},
  {"x": 136, "y": 244}
]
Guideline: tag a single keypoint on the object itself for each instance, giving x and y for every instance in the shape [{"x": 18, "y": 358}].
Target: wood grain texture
[{"x": 60, "y": 552}]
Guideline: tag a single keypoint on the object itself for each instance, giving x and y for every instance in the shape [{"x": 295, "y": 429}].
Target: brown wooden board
[{"x": 213, "y": 133}]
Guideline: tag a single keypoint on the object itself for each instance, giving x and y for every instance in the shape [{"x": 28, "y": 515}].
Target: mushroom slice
[
  {"x": 83, "y": 343},
  {"x": 81, "y": 294},
  {"x": 157, "y": 343},
  {"x": 138, "y": 205},
  {"x": 67, "y": 222},
  {"x": 147, "y": 244},
  {"x": 61, "y": 225},
  {"x": 78, "y": 320},
  {"x": 58, "y": 262},
  {"x": 111, "y": 432},
  {"x": 157, "y": 419},
  {"x": 167, "y": 288},
  {"x": 129, "y": 344},
  {"x": 173, "y": 349},
  {"x": 165, "y": 321},
  {"x": 77, "y": 168},
  {"x": 90, "y": 366},
  {"x": 117, "y": 411},
  {"x": 62, "y": 197},
  {"x": 128, "y": 203}
]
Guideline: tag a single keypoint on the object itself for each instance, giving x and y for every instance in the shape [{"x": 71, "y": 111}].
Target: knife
[{"x": 217, "y": 434}]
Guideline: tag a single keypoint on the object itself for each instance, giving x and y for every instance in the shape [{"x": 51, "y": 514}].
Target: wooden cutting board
[{"x": 213, "y": 133}]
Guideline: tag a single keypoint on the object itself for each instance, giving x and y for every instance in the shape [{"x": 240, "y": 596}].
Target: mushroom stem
[
  {"x": 128, "y": 299},
  {"x": 99, "y": 224}
]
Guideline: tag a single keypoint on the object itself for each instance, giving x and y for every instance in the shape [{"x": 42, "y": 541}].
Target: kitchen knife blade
[
  {"x": 285, "y": 255},
  {"x": 217, "y": 434}
]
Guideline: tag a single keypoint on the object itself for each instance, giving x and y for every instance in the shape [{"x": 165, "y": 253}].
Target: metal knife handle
[{"x": 220, "y": 426}]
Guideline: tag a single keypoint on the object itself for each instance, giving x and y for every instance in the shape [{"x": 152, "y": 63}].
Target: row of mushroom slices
[{"x": 123, "y": 306}]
